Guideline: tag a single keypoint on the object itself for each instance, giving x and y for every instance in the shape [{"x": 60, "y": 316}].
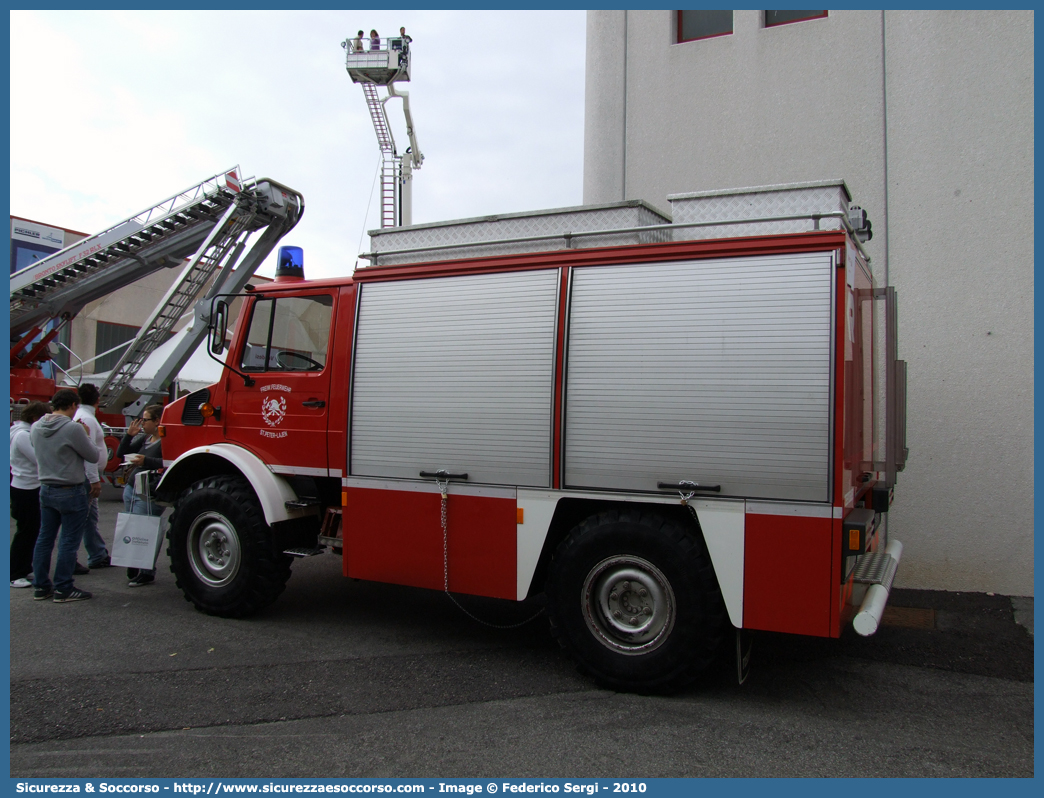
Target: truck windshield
[{"x": 288, "y": 334}]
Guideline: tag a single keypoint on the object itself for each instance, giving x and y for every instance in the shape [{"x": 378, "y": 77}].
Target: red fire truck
[{"x": 674, "y": 427}]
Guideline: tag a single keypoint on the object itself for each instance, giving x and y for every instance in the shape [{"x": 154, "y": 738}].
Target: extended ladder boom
[
  {"x": 160, "y": 236},
  {"x": 385, "y": 66},
  {"x": 261, "y": 204},
  {"x": 211, "y": 222}
]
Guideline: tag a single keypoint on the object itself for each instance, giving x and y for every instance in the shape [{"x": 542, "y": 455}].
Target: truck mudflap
[{"x": 877, "y": 570}]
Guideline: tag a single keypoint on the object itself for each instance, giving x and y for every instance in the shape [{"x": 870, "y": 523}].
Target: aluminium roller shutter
[
  {"x": 716, "y": 371},
  {"x": 456, "y": 373}
]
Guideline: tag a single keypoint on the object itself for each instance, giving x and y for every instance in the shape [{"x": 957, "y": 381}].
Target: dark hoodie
[{"x": 61, "y": 446}]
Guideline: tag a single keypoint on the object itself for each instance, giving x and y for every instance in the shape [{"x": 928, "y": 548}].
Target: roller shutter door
[
  {"x": 456, "y": 373},
  {"x": 716, "y": 371}
]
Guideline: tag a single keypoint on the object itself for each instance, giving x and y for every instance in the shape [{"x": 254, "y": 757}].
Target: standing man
[
  {"x": 25, "y": 494},
  {"x": 62, "y": 446},
  {"x": 97, "y": 554},
  {"x": 404, "y": 45}
]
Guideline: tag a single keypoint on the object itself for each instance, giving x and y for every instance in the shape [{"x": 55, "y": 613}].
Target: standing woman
[
  {"x": 25, "y": 494},
  {"x": 375, "y": 40},
  {"x": 142, "y": 442}
]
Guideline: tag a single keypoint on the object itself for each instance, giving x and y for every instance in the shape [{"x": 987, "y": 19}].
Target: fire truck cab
[{"x": 675, "y": 428}]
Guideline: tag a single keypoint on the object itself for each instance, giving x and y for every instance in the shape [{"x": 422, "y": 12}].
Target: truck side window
[{"x": 289, "y": 334}]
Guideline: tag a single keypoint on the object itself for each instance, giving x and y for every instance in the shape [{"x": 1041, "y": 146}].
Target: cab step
[{"x": 303, "y": 502}]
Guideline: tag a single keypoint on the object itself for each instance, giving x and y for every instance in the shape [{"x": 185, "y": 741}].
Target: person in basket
[{"x": 141, "y": 447}]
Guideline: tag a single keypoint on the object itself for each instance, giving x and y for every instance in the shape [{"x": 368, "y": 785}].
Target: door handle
[
  {"x": 687, "y": 486},
  {"x": 314, "y": 403}
]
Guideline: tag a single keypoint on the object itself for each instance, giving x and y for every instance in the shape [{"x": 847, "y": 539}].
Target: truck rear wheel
[
  {"x": 221, "y": 550},
  {"x": 633, "y": 598}
]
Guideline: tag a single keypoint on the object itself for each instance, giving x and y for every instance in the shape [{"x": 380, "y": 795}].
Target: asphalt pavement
[{"x": 342, "y": 678}]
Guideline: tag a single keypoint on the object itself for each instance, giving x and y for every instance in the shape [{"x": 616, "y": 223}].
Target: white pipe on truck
[{"x": 868, "y": 618}]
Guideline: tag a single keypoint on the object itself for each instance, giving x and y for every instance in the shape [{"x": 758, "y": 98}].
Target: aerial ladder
[
  {"x": 387, "y": 66},
  {"x": 205, "y": 229}
]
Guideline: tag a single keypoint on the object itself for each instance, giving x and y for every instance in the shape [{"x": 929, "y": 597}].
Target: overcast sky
[{"x": 112, "y": 112}]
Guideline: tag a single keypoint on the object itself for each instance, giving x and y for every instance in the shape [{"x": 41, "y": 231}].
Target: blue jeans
[
  {"x": 92, "y": 539},
  {"x": 65, "y": 508},
  {"x": 136, "y": 505}
]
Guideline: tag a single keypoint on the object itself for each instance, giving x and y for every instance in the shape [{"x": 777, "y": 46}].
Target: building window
[
  {"x": 773, "y": 18},
  {"x": 108, "y": 336},
  {"x": 703, "y": 24},
  {"x": 25, "y": 254}
]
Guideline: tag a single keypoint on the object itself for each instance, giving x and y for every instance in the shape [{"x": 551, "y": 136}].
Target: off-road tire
[
  {"x": 222, "y": 552},
  {"x": 662, "y": 641}
]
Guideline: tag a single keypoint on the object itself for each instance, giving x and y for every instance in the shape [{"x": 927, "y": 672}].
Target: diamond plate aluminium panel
[
  {"x": 792, "y": 199},
  {"x": 615, "y": 216},
  {"x": 875, "y": 568}
]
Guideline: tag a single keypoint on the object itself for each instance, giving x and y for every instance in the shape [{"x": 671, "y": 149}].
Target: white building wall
[
  {"x": 928, "y": 116},
  {"x": 131, "y": 305}
]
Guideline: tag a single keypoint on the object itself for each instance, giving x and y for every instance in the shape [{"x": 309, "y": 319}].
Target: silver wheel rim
[
  {"x": 213, "y": 549},
  {"x": 628, "y": 605}
]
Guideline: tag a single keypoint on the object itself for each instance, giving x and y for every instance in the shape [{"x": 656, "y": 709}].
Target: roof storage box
[
  {"x": 743, "y": 207},
  {"x": 546, "y": 231}
]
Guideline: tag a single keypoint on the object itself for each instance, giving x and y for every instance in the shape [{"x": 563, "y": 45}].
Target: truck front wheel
[
  {"x": 222, "y": 551},
  {"x": 633, "y": 598}
]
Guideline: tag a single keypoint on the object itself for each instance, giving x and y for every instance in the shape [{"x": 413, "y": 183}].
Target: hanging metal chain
[
  {"x": 442, "y": 482},
  {"x": 687, "y": 493}
]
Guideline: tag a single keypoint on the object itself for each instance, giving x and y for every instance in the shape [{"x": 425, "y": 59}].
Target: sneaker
[
  {"x": 23, "y": 582},
  {"x": 42, "y": 593},
  {"x": 73, "y": 595},
  {"x": 80, "y": 569},
  {"x": 106, "y": 563},
  {"x": 143, "y": 578}
]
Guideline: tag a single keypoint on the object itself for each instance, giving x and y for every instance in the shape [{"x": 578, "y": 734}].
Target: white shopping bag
[{"x": 137, "y": 541}]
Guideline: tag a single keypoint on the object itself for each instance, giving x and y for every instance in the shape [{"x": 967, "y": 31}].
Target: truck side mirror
[{"x": 218, "y": 327}]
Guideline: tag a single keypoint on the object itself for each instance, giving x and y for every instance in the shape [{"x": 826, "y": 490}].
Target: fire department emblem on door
[{"x": 273, "y": 410}]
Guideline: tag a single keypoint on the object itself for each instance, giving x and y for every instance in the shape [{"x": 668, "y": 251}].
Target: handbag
[{"x": 136, "y": 543}]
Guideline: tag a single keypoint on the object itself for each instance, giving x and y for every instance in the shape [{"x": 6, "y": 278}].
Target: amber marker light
[
  {"x": 207, "y": 410},
  {"x": 161, "y": 431}
]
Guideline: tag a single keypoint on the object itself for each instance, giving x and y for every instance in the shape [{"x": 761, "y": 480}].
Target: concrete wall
[{"x": 928, "y": 116}]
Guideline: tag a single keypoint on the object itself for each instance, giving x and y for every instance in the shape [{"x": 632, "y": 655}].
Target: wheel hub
[
  {"x": 628, "y": 604},
  {"x": 214, "y": 550}
]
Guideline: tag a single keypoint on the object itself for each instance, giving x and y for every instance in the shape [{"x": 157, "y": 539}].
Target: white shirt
[
  {"x": 24, "y": 475},
  {"x": 85, "y": 413}
]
